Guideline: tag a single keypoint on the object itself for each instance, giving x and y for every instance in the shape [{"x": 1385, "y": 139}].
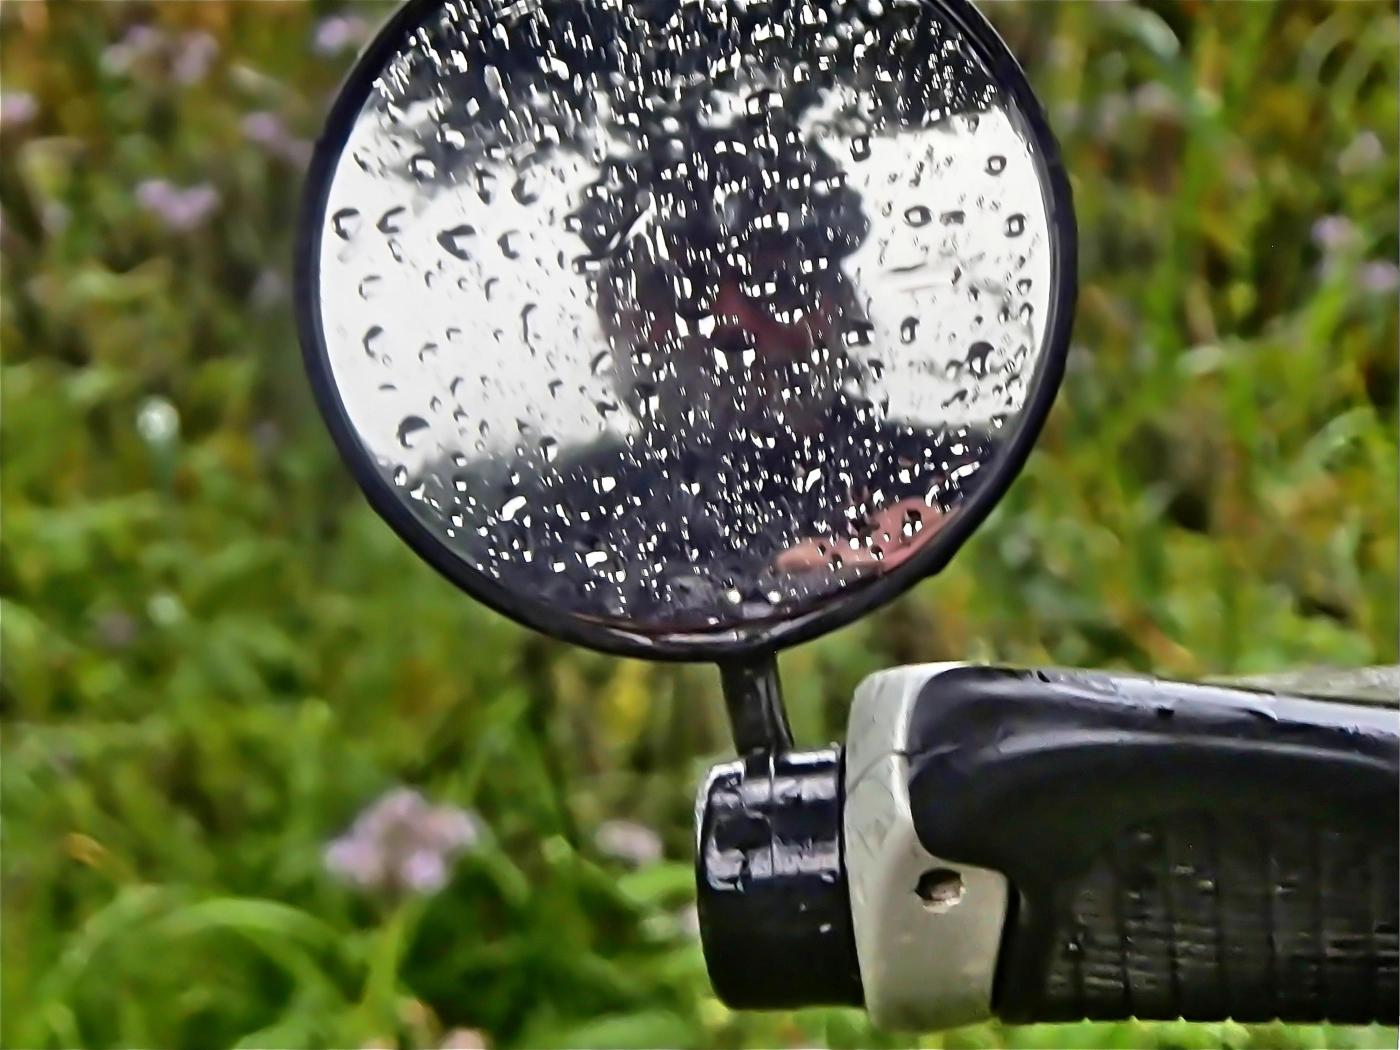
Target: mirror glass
[{"x": 680, "y": 319}]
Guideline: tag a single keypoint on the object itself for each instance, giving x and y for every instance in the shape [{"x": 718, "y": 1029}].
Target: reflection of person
[
  {"x": 760, "y": 469},
  {"x": 761, "y": 463}
]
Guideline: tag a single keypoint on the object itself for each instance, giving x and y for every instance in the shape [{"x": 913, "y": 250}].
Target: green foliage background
[{"x": 214, "y": 654}]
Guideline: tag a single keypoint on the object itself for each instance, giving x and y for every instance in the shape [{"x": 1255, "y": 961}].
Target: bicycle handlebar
[{"x": 1060, "y": 845}]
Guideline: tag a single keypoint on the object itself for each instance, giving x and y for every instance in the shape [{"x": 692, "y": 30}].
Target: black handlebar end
[{"x": 775, "y": 915}]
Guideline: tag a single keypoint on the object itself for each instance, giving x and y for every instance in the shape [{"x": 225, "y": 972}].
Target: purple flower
[
  {"x": 1380, "y": 277},
  {"x": 339, "y": 33},
  {"x": 628, "y": 841},
  {"x": 181, "y": 209},
  {"x": 264, "y": 128},
  {"x": 1333, "y": 233},
  {"x": 140, "y": 42},
  {"x": 194, "y": 56},
  {"x": 402, "y": 844},
  {"x": 17, "y": 108},
  {"x": 267, "y": 130}
]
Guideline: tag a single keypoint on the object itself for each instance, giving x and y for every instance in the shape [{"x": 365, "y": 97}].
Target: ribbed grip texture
[{"x": 1210, "y": 915}]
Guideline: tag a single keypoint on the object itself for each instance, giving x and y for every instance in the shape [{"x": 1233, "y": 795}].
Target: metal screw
[{"x": 940, "y": 889}]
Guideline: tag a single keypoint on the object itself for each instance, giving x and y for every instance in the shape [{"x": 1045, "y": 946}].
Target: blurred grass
[{"x": 214, "y": 654}]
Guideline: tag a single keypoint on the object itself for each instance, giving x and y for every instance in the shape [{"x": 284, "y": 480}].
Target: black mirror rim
[{"x": 746, "y": 641}]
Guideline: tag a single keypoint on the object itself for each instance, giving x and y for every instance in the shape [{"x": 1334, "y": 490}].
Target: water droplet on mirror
[
  {"x": 373, "y": 342},
  {"x": 978, "y": 356},
  {"x": 388, "y": 222},
  {"x": 411, "y": 430},
  {"x": 996, "y": 164},
  {"x": 522, "y": 190},
  {"x": 455, "y": 240},
  {"x": 687, "y": 269},
  {"x": 1015, "y": 225},
  {"x": 423, "y": 167},
  {"x": 346, "y": 223}
]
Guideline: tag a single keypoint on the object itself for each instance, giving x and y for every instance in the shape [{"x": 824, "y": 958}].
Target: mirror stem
[{"x": 754, "y": 699}]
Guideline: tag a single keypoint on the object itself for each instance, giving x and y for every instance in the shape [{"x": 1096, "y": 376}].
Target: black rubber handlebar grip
[{"x": 1172, "y": 850}]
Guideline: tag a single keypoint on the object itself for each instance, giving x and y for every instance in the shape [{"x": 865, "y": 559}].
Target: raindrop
[
  {"x": 953, "y": 218},
  {"x": 411, "y": 429},
  {"x": 369, "y": 286},
  {"x": 485, "y": 185},
  {"x": 908, "y": 328},
  {"x": 1015, "y": 225},
  {"x": 371, "y": 342},
  {"x": 522, "y": 192},
  {"x": 400, "y": 476},
  {"x": 508, "y": 248},
  {"x": 918, "y": 215},
  {"x": 996, "y": 164},
  {"x": 454, "y": 241},
  {"x": 511, "y": 507},
  {"x": 860, "y": 147},
  {"x": 1023, "y": 285},
  {"x": 858, "y": 335},
  {"x": 423, "y": 167},
  {"x": 977, "y": 357},
  {"x": 346, "y": 223},
  {"x": 388, "y": 222}
]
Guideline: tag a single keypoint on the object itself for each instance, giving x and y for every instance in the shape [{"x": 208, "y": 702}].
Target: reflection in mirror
[{"x": 684, "y": 318}]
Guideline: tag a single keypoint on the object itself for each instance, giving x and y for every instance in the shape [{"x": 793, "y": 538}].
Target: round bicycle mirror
[{"x": 685, "y": 330}]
